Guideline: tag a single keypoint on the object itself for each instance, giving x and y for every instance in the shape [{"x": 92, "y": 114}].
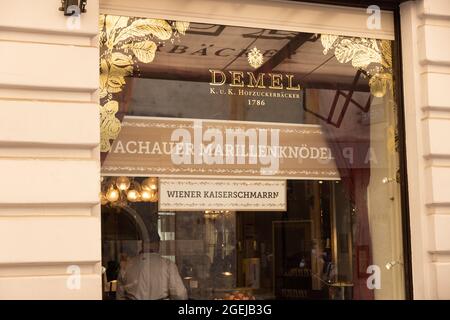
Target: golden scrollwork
[
  {"x": 124, "y": 42},
  {"x": 372, "y": 56},
  {"x": 109, "y": 124}
]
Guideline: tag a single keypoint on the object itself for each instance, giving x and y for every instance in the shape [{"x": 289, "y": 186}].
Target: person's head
[{"x": 152, "y": 245}]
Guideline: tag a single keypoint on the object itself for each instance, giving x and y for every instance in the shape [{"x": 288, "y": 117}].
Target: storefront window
[{"x": 247, "y": 163}]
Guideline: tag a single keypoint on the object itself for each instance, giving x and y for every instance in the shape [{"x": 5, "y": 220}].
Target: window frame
[{"x": 259, "y": 14}]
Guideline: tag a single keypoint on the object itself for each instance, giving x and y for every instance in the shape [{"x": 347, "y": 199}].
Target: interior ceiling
[{"x": 206, "y": 47}]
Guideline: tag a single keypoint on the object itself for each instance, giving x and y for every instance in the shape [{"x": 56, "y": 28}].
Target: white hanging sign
[{"x": 221, "y": 194}]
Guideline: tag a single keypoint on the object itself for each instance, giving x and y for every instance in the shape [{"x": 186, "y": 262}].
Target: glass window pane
[{"x": 205, "y": 107}]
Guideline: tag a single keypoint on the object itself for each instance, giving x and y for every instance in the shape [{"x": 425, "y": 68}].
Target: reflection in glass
[{"x": 334, "y": 235}]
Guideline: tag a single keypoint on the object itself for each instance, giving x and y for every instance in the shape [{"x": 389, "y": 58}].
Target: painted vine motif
[
  {"x": 372, "y": 56},
  {"x": 124, "y": 42}
]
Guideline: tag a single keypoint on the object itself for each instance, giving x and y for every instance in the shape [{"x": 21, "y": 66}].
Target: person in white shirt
[{"x": 148, "y": 276}]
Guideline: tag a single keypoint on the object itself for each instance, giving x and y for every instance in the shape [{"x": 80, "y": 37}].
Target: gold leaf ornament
[
  {"x": 379, "y": 84},
  {"x": 115, "y": 22},
  {"x": 114, "y": 65},
  {"x": 360, "y": 56},
  {"x": 327, "y": 42},
  {"x": 370, "y": 55},
  {"x": 103, "y": 78},
  {"x": 113, "y": 73},
  {"x": 118, "y": 36},
  {"x": 101, "y": 24},
  {"x": 145, "y": 27},
  {"x": 386, "y": 52},
  {"x": 143, "y": 50},
  {"x": 121, "y": 60},
  {"x": 345, "y": 51},
  {"x": 392, "y": 138},
  {"x": 112, "y": 25},
  {"x": 115, "y": 83},
  {"x": 181, "y": 27},
  {"x": 109, "y": 124}
]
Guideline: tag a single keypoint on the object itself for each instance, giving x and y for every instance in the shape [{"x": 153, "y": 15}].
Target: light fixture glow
[
  {"x": 133, "y": 195},
  {"x": 154, "y": 196},
  {"x": 123, "y": 183},
  {"x": 112, "y": 194},
  {"x": 117, "y": 191},
  {"x": 146, "y": 195},
  {"x": 150, "y": 184},
  {"x": 103, "y": 199}
]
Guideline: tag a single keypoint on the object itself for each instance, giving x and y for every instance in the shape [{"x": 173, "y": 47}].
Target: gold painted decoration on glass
[
  {"x": 372, "y": 56},
  {"x": 124, "y": 42},
  {"x": 255, "y": 58},
  {"x": 109, "y": 124}
]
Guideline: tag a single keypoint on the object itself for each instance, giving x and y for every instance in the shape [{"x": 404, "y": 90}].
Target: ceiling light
[
  {"x": 112, "y": 194},
  {"x": 123, "y": 183},
  {"x": 133, "y": 195}
]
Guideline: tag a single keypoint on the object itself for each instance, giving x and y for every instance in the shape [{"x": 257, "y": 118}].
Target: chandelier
[
  {"x": 214, "y": 214},
  {"x": 118, "y": 191}
]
